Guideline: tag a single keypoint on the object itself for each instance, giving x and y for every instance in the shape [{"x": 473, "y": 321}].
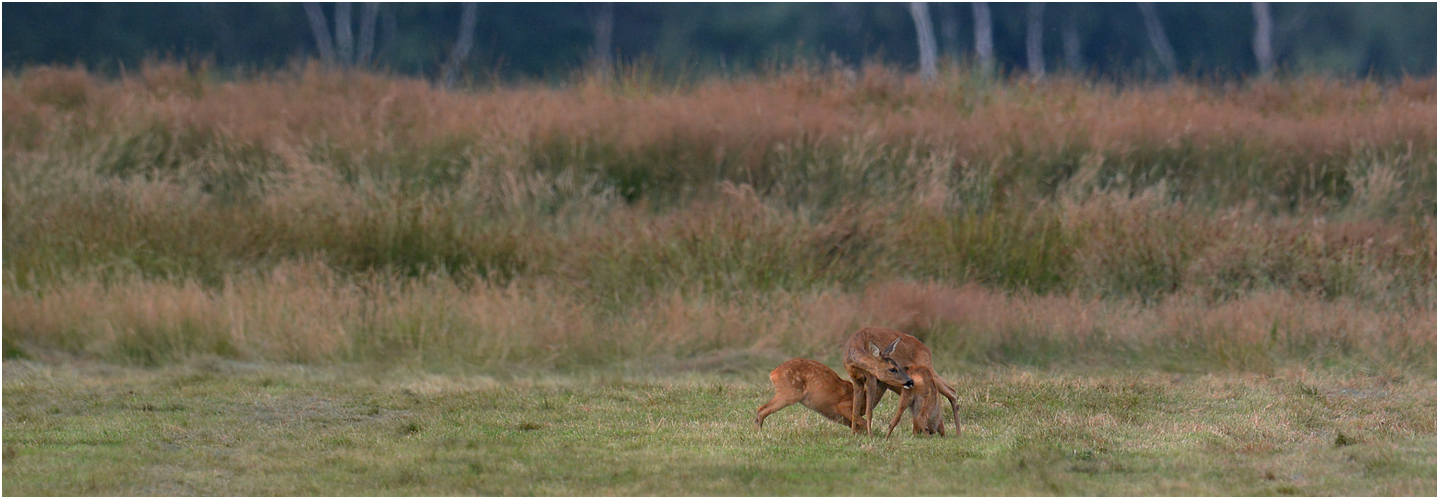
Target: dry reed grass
[
  {"x": 321, "y": 217},
  {"x": 382, "y": 118},
  {"x": 303, "y": 313}
]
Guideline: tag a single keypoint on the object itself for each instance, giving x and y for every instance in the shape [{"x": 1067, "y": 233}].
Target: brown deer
[
  {"x": 923, "y": 401},
  {"x": 812, "y": 384},
  {"x": 874, "y": 370}
]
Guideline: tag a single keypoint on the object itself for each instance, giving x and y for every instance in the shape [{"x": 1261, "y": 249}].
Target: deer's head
[{"x": 890, "y": 372}]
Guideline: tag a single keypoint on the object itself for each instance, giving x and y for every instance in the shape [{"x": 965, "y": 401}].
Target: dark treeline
[{"x": 549, "y": 40}]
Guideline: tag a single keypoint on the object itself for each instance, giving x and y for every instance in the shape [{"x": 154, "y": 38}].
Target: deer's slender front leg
[
  {"x": 857, "y": 404},
  {"x": 906, "y": 398}
]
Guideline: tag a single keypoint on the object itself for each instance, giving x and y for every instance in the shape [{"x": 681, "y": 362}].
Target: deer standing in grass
[
  {"x": 923, "y": 401},
  {"x": 812, "y": 384},
  {"x": 874, "y": 370}
]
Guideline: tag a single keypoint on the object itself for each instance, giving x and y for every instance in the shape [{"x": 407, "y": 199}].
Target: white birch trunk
[
  {"x": 1264, "y": 27},
  {"x": 367, "y": 33},
  {"x": 468, "y": 17},
  {"x": 1034, "y": 40},
  {"x": 602, "y": 20},
  {"x": 321, "y": 32},
  {"x": 984, "y": 37},
  {"x": 1158, "y": 40},
  {"x": 344, "y": 39},
  {"x": 925, "y": 36}
]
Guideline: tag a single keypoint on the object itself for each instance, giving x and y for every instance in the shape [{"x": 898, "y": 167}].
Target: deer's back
[
  {"x": 806, "y": 373},
  {"x": 910, "y": 351}
]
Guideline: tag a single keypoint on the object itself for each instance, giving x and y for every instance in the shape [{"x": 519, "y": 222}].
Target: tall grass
[
  {"x": 303, "y": 312},
  {"x": 1280, "y": 144},
  {"x": 321, "y": 217}
]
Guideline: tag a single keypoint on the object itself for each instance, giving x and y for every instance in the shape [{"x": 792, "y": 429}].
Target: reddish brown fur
[
  {"x": 812, "y": 384},
  {"x": 923, "y": 401},
  {"x": 868, "y": 368},
  {"x": 872, "y": 370}
]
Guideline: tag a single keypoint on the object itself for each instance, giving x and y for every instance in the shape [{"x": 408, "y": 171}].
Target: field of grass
[
  {"x": 217, "y": 427},
  {"x": 320, "y": 282}
]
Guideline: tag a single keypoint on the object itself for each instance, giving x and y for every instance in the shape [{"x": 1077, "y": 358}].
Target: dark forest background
[{"x": 551, "y": 40}]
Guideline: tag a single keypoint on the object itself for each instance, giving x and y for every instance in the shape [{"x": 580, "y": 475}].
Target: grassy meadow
[
  {"x": 308, "y": 282},
  {"x": 220, "y": 427}
]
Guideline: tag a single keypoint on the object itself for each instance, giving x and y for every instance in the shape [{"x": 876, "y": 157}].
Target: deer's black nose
[{"x": 909, "y": 384}]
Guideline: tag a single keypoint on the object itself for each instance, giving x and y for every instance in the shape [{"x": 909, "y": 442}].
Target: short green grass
[{"x": 219, "y": 427}]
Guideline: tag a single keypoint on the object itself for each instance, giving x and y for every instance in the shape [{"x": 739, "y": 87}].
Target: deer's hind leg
[
  {"x": 827, "y": 408},
  {"x": 780, "y": 401},
  {"x": 949, "y": 393},
  {"x": 928, "y": 419}
]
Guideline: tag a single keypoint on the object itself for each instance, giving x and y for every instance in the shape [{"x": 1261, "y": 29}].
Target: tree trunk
[
  {"x": 925, "y": 35},
  {"x": 1156, "y": 32},
  {"x": 344, "y": 39},
  {"x": 984, "y": 37},
  {"x": 602, "y": 20},
  {"x": 461, "y": 51},
  {"x": 391, "y": 30},
  {"x": 367, "y": 33},
  {"x": 1034, "y": 40},
  {"x": 949, "y": 31},
  {"x": 1264, "y": 56},
  {"x": 322, "y": 34},
  {"x": 1070, "y": 38}
]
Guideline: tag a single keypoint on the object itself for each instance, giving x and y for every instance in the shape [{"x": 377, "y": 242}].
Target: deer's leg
[
  {"x": 819, "y": 402},
  {"x": 828, "y": 411},
  {"x": 872, "y": 399},
  {"x": 949, "y": 393},
  {"x": 918, "y": 418},
  {"x": 776, "y": 403},
  {"x": 857, "y": 403},
  {"x": 928, "y": 419},
  {"x": 928, "y": 410},
  {"x": 906, "y": 397}
]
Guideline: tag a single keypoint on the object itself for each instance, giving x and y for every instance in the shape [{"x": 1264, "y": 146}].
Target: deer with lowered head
[
  {"x": 874, "y": 370},
  {"x": 923, "y": 401},
  {"x": 812, "y": 384}
]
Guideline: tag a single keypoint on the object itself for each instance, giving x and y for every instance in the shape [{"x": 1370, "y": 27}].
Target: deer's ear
[
  {"x": 874, "y": 349},
  {"x": 891, "y": 348}
]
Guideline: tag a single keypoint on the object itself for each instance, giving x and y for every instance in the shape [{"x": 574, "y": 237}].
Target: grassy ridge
[{"x": 323, "y": 217}]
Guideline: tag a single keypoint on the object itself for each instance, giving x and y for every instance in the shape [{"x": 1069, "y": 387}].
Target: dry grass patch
[{"x": 306, "y": 312}]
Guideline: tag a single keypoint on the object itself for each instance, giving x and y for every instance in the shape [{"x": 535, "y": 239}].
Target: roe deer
[
  {"x": 874, "y": 370},
  {"x": 923, "y": 401},
  {"x": 812, "y": 384}
]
